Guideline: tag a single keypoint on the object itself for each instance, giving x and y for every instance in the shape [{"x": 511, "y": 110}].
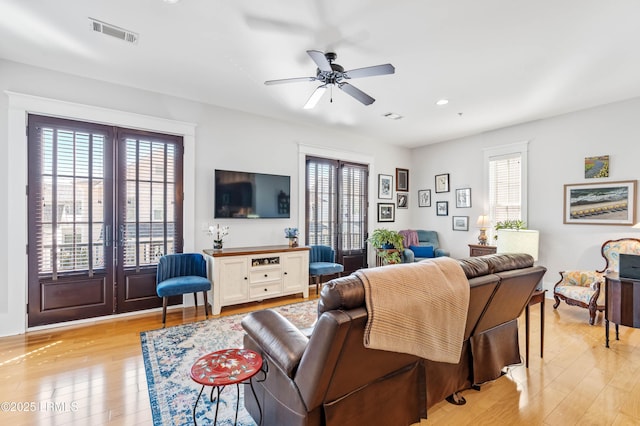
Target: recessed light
[
  {"x": 442, "y": 102},
  {"x": 171, "y": 1}
]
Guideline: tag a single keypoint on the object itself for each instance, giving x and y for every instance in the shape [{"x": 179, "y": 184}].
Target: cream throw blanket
[{"x": 419, "y": 308}]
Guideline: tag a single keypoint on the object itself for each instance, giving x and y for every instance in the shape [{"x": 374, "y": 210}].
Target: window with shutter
[{"x": 506, "y": 182}]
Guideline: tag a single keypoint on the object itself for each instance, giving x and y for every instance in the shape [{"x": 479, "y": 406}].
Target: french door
[
  {"x": 336, "y": 209},
  {"x": 104, "y": 204}
]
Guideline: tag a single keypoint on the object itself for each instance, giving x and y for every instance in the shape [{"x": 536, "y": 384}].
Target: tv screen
[{"x": 251, "y": 195}]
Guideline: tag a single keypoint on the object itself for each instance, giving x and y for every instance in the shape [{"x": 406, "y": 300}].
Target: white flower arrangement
[{"x": 218, "y": 232}]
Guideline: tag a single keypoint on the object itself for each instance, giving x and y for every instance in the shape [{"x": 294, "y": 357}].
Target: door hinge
[
  {"x": 26, "y": 190},
  {"x": 26, "y": 132},
  {"x": 27, "y": 308},
  {"x": 27, "y": 249}
]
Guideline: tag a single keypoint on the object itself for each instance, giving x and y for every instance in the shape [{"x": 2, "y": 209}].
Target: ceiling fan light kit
[{"x": 330, "y": 73}]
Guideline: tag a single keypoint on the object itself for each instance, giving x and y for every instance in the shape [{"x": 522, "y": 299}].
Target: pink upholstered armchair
[{"x": 586, "y": 288}]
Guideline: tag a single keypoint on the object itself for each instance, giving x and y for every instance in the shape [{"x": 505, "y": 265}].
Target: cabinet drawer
[
  {"x": 265, "y": 290},
  {"x": 266, "y": 274}
]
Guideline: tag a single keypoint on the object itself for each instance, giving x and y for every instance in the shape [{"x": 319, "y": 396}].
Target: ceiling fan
[{"x": 329, "y": 73}]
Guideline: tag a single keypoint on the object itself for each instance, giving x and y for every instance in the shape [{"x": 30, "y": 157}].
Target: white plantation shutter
[{"x": 505, "y": 187}]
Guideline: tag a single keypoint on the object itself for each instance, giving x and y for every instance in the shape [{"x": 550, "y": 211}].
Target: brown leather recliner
[{"x": 330, "y": 378}]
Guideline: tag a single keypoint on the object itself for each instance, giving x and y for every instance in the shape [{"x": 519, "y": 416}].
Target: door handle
[{"x": 107, "y": 235}]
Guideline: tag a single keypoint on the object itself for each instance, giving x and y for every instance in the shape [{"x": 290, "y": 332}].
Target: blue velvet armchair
[
  {"x": 182, "y": 273},
  {"x": 322, "y": 262},
  {"x": 428, "y": 246}
]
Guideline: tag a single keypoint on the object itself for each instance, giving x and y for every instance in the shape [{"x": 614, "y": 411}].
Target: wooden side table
[
  {"x": 481, "y": 250},
  {"x": 536, "y": 297}
]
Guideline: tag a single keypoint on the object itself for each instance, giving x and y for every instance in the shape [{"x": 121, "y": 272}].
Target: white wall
[
  {"x": 557, "y": 148},
  {"x": 224, "y": 139}
]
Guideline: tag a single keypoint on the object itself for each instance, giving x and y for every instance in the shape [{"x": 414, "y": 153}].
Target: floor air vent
[{"x": 113, "y": 31}]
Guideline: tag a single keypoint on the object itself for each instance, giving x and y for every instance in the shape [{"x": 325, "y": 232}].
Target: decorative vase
[
  {"x": 217, "y": 244},
  {"x": 293, "y": 242}
]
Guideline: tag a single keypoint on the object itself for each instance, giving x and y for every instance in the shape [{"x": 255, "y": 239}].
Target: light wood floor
[{"x": 94, "y": 374}]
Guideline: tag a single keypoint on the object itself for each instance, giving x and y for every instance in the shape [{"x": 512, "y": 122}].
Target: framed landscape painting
[
  {"x": 596, "y": 167},
  {"x": 460, "y": 223},
  {"x": 610, "y": 203}
]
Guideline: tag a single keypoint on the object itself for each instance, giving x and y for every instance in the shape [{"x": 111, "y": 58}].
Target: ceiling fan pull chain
[{"x": 331, "y": 94}]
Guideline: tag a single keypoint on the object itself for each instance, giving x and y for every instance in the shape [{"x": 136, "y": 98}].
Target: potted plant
[
  {"x": 388, "y": 244},
  {"x": 509, "y": 224}
]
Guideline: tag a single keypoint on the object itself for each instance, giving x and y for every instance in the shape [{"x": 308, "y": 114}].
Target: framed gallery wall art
[
  {"x": 596, "y": 167},
  {"x": 610, "y": 203},
  {"x": 402, "y": 200},
  {"x": 460, "y": 223},
  {"x": 385, "y": 187},
  {"x": 386, "y": 212},
  {"x": 463, "y": 197},
  {"x": 424, "y": 198},
  {"x": 442, "y": 208},
  {"x": 442, "y": 182},
  {"x": 402, "y": 179}
]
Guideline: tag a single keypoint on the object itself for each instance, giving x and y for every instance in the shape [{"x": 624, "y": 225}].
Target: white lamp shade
[
  {"x": 483, "y": 221},
  {"x": 518, "y": 241}
]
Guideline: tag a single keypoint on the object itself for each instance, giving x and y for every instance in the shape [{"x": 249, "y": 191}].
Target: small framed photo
[
  {"x": 402, "y": 200},
  {"x": 442, "y": 182},
  {"x": 386, "y": 212},
  {"x": 424, "y": 198},
  {"x": 460, "y": 223},
  {"x": 402, "y": 179},
  {"x": 442, "y": 208},
  {"x": 463, "y": 197},
  {"x": 385, "y": 187}
]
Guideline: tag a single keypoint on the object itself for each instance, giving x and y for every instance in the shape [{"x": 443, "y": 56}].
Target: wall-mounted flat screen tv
[{"x": 251, "y": 195}]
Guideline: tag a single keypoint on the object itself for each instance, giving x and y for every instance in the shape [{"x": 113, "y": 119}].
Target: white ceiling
[{"x": 499, "y": 62}]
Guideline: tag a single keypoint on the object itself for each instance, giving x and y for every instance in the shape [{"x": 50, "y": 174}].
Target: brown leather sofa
[{"x": 330, "y": 378}]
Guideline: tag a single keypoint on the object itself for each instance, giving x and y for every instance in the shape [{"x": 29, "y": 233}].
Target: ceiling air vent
[{"x": 113, "y": 31}]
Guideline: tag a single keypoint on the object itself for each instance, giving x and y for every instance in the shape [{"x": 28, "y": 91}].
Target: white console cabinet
[{"x": 246, "y": 274}]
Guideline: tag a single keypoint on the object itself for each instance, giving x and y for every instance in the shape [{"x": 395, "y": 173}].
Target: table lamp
[
  {"x": 518, "y": 241},
  {"x": 483, "y": 223}
]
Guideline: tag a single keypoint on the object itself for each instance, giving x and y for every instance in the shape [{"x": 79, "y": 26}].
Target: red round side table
[{"x": 226, "y": 367}]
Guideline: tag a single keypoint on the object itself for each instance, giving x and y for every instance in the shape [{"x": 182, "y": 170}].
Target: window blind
[
  {"x": 505, "y": 187},
  {"x": 67, "y": 178}
]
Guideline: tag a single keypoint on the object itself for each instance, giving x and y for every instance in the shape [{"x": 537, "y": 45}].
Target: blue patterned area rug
[{"x": 169, "y": 354}]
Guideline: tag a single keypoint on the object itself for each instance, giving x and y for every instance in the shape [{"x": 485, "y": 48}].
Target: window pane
[{"x": 72, "y": 201}]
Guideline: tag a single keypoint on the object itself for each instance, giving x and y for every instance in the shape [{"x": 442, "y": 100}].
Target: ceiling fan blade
[
  {"x": 315, "y": 97},
  {"x": 370, "y": 71},
  {"x": 320, "y": 60},
  {"x": 356, "y": 93},
  {"x": 289, "y": 80}
]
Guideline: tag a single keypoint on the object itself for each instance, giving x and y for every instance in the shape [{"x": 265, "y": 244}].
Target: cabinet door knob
[
  {"x": 245, "y": 278},
  {"x": 265, "y": 275},
  {"x": 265, "y": 289}
]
